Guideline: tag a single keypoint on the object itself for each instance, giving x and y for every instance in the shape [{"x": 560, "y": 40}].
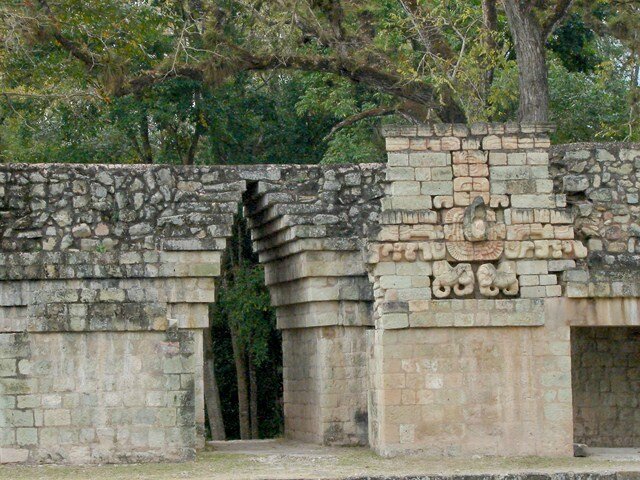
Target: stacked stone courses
[
  {"x": 472, "y": 246},
  {"x": 426, "y": 304},
  {"x": 107, "y": 273}
]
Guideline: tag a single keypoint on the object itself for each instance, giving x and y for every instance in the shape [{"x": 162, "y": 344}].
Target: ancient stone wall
[
  {"x": 426, "y": 304},
  {"x": 602, "y": 183},
  {"x": 310, "y": 230},
  {"x": 107, "y": 274},
  {"x": 472, "y": 243},
  {"x": 606, "y": 384}
]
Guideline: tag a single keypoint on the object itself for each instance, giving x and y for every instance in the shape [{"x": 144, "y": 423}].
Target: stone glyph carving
[
  {"x": 459, "y": 278},
  {"x": 410, "y": 251},
  {"x": 499, "y": 201},
  {"x": 481, "y": 251},
  {"x": 542, "y": 249},
  {"x": 433, "y": 250},
  {"x": 443, "y": 201},
  {"x": 421, "y": 232},
  {"x": 492, "y": 280},
  {"x": 472, "y": 233}
]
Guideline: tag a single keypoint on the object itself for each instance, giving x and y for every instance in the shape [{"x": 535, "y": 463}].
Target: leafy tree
[{"x": 244, "y": 308}]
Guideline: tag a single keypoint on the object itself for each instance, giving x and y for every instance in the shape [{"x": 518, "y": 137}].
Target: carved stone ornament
[
  {"x": 492, "y": 280},
  {"x": 472, "y": 233},
  {"x": 475, "y": 226},
  {"x": 411, "y": 251},
  {"x": 460, "y": 279}
]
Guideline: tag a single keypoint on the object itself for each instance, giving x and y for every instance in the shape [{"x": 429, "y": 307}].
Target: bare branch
[
  {"x": 430, "y": 35},
  {"x": 560, "y": 12}
]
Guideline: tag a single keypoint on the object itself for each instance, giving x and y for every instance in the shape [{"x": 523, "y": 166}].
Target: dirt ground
[{"x": 280, "y": 460}]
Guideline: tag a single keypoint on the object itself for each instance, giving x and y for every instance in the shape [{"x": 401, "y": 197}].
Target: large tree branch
[
  {"x": 353, "y": 119},
  {"x": 78, "y": 50},
  {"x": 242, "y": 60}
]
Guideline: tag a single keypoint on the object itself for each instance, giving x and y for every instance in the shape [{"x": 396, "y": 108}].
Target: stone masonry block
[
  {"x": 437, "y": 188},
  {"x": 396, "y": 159},
  {"x": 532, "y": 267},
  {"x": 430, "y": 159}
]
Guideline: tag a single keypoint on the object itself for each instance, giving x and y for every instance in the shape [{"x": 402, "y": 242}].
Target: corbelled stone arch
[{"x": 309, "y": 228}]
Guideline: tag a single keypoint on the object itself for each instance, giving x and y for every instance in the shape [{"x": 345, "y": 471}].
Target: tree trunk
[
  {"x": 490, "y": 20},
  {"x": 147, "y": 151},
  {"x": 240, "y": 360},
  {"x": 634, "y": 107},
  {"x": 529, "y": 41},
  {"x": 191, "y": 154},
  {"x": 253, "y": 383},
  {"x": 211, "y": 393}
]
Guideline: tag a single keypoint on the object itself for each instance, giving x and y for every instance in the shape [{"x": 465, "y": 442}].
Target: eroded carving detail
[
  {"x": 459, "y": 278},
  {"x": 409, "y": 251},
  {"x": 492, "y": 280}
]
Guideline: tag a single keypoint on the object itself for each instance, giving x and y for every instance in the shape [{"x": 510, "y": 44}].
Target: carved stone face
[
  {"x": 475, "y": 225},
  {"x": 479, "y": 229}
]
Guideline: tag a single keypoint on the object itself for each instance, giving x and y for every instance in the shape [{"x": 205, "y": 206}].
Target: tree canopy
[{"x": 242, "y": 81}]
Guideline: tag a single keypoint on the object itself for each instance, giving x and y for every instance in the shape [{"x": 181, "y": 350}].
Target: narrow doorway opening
[
  {"x": 243, "y": 350},
  {"x": 606, "y": 389}
]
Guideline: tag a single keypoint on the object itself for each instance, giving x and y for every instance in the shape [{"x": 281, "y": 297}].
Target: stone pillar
[
  {"x": 465, "y": 357},
  {"x": 308, "y": 234},
  {"x": 104, "y": 370},
  {"x": 323, "y": 312}
]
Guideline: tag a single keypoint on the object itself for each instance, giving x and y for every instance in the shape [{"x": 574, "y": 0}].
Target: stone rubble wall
[
  {"x": 602, "y": 184},
  {"x": 107, "y": 273},
  {"x": 606, "y": 384}
]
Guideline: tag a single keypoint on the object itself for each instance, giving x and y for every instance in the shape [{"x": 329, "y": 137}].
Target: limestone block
[
  {"x": 430, "y": 159},
  {"x": 396, "y": 159},
  {"x": 450, "y": 143},
  {"x": 533, "y": 201},
  {"x": 492, "y": 142},
  {"x": 497, "y": 158},
  {"x": 437, "y": 188},
  {"x": 469, "y": 157},
  {"x": 405, "y": 188},
  {"x": 418, "y": 202},
  {"x": 397, "y": 143},
  {"x": 419, "y": 144}
]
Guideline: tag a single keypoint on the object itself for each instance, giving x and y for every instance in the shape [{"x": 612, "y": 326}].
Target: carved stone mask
[{"x": 475, "y": 226}]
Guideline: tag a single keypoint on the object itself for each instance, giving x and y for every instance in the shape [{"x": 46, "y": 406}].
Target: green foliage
[
  {"x": 588, "y": 107},
  {"x": 574, "y": 44},
  {"x": 356, "y": 145},
  {"x": 245, "y": 306},
  {"x": 75, "y": 131}
]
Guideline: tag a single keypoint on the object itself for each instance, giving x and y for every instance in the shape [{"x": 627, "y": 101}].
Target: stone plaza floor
[{"x": 285, "y": 460}]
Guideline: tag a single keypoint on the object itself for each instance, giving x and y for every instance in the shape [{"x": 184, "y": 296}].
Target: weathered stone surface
[
  {"x": 420, "y": 301},
  {"x": 131, "y": 266}
]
